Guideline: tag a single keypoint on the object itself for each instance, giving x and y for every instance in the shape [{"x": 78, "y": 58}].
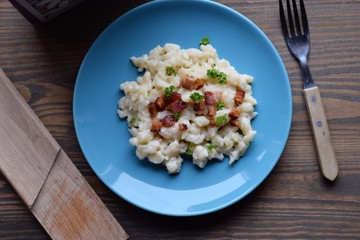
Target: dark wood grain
[{"x": 295, "y": 201}]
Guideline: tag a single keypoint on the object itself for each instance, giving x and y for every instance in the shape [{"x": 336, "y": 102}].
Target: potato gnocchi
[{"x": 187, "y": 102}]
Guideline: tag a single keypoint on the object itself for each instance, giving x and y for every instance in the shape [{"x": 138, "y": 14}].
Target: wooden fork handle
[{"x": 321, "y": 133}]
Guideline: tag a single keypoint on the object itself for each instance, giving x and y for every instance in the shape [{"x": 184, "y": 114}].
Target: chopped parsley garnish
[
  {"x": 170, "y": 71},
  {"x": 133, "y": 119},
  {"x": 197, "y": 97},
  {"x": 222, "y": 78},
  {"x": 177, "y": 116},
  {"x": 211, "y": 147},
  {"x": 212, "y": 73},
  {"x": 189, "y": 152},
  {"x": 220, "y": 120},
  {"x": 169, "y": 91},
  {"x": 205, "y": 41},
  {"x": 215, "y": 74},
  {"x": 220, "y": 105}
]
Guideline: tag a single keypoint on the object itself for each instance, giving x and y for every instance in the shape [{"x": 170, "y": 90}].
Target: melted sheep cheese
[{"x": 187, "y": 102}]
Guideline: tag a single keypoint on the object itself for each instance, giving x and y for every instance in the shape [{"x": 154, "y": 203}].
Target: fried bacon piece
[
  {"x": 235, "y": 113},
  {"x": 187, "y": 83},
  {"x": 174, "y": 96},
  {"x": 176, "y": 106},
  {"x": 168, "y": 121},
  {"x": 211, "y": 112},
  {"x": 152, "y": 109},
  {"x": 209, "y": 98},
  {"x": 160, "y": 103},
  {"x": 191, "y": 84},
  {"x": 199, "y": 83},
  {"x": 235, "y": 122},
  {"x": 199, "y": 106},
  {"x": 239, "y": 96},
  {"x": 212, "y": 122},
  {"x": 156, "y": 126},
  {"x": 183, "y": 127}
]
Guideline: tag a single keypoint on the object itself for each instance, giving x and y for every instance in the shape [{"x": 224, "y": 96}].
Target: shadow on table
[
  {"x": 61, "y": 44},
  {"x": 217, "y": 223},
  {"x": 198, "y": 227},
  {"x": 87, "y": 20}
]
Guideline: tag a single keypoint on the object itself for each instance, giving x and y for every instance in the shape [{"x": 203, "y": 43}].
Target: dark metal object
[{"x": 297, "y": 36}]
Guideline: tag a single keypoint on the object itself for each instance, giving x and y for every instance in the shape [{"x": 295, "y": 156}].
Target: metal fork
[{"x": 297, "y": 37}]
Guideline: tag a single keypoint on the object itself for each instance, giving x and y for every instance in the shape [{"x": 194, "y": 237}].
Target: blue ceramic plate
[{"x": 104, "y": 138}]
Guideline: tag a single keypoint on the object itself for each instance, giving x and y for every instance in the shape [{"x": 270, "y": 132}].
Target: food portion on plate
[{"x": 188, "y": 102}]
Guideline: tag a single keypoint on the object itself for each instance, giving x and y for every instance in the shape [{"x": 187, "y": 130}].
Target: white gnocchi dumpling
[{"x": 187, "y": 102}]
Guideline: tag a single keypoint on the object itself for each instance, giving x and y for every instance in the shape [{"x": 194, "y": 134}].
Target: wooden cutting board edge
[
  {"x": 61, "y": 199},
  {"x": 27, "y": 149},
  {"x": 67, "y": 201}
]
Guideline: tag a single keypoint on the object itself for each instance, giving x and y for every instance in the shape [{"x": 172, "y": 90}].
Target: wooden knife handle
[{"x": 321, "y": 133}]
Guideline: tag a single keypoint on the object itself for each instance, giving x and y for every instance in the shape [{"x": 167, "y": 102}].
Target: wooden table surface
[{"x": 294, "y": 201}]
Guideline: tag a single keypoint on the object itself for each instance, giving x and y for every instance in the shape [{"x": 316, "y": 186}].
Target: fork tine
[
  {"x": 282, "y": 19},
  {"x": 296, "y": 15},
  {"x": 291, "y": 23},
  {"x": 304, "y": 18}
]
